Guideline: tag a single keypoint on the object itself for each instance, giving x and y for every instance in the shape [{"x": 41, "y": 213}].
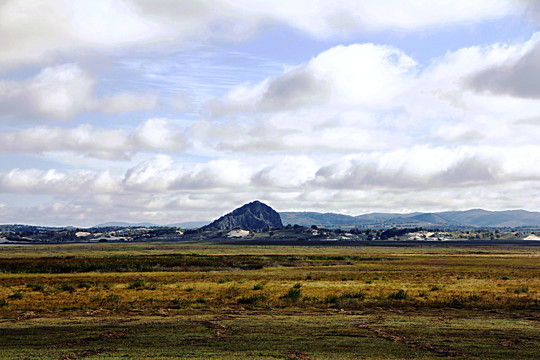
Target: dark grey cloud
[
  {"x": 520, "y": 78},
  {"x": 467, "y": 172},
  {"x": 293, "y": 90},
  {"x": 532, "y": 10}
]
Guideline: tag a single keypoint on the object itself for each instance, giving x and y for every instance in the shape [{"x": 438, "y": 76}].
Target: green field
[{"x": 200, "y": 301}]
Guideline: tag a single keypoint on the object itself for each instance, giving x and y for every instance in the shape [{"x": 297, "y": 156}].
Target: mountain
[
  {"x": 124, "y": 224},
  {"x": 468, "y": 218},
  {"x": 327, "y": 220},
  {"x": 252, "y": 216},
  {"x": 384, "y": 216},
  {"x": 479, "y": 217},
  {"x": 189, "y": 224}
]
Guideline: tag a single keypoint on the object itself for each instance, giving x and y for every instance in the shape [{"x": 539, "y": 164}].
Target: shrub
[
  {"x": 297, "y": 286},
  {"x": 84, "y": 285},
  {"x": 473, "y": 297},
  {"x": 3, "y": 302},
  {"x": 436, "y": 287},
  {"x": 506, "y": 277},
  {"x": 137, "y": 284},
  {"x": 16, "y": 295},
  {"x": 107, "y": 285},
  {"x": 359, "y": 295},
  {"x": 293, "y": 294},
  {"x": 400, "y": 295},
  {"x": 112, "y": 298},
  {"x": 424, "y": 293},
  {"x": 37, "y": 287},
  {"x": 231, "y": 292},
  {"x": 181, "y": 303},
  {"x": 225, "y": 280},
  {"x": 331, "y": 299},
  {"x": 250, "y": 300},
  {"x": 258, "y": 287},
  {"x": 523, "y": 289},
  {"x": 67, "y": 286},
  {"x": 200, "y": 300}
]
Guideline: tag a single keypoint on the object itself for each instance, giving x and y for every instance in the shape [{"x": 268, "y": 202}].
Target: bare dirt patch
[
  {"x": 384, "y": 334},
  {"x": 297, "y": 355},
  {"x": 222, "y": 331}
]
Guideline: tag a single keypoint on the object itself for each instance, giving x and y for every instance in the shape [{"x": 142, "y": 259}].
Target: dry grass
[
  {"x": 493, "y": 278},
  {"x": 343, "y": 303}
]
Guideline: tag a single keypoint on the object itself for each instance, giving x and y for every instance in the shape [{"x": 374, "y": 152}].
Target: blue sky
[{"x": 168, "y": 111}]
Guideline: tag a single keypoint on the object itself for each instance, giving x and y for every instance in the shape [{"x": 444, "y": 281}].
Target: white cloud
[
  {"x": 290, "y": 171},
  {"x": 164, "y": 190},
  {"x": 181, "y": 101},
  {"x": 356, "y": 128},
  {"x": 56, "y": 182},
  {"x": 357, "y": 75},
  {"x": 58, "y": 92},
  {"x": 324, "y": 19},
  {"x": 62, "y": 92},
  {"x": 154, "y": 135},
  {"x": 155, "y": 174},
  {"x": 420, "y": 167},
  {"x": 367, "y": 97},
  {"x": 33, "y": 30},
  {"x": 126, "y": 102}
]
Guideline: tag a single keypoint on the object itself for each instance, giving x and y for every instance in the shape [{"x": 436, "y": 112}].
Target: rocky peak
[{"x": 252, "y": 216}]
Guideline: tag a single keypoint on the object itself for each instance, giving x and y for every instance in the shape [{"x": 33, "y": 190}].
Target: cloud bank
[{"x": 94, "y": 126}]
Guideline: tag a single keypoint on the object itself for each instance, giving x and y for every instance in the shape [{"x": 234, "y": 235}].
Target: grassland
[{"x": 200, "y": 301}]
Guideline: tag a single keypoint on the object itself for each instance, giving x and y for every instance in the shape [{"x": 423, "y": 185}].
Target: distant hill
[
  {"x": 469, "y": 218},
  {"x": 190, "y": 224},
  {"x": 258, "y": 215},
  {"x": 124, "y": 224},
  {"x": 327, "y": 220},
  {"x": 252, "y": 216}
]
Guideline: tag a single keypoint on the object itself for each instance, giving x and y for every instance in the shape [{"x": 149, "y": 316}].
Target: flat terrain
[{"x": 187, "y": 300}]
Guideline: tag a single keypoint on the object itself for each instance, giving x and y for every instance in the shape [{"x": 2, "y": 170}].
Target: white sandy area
[
  {"x": 238, "y": 233},
  {"x": 532, "y": 237}
]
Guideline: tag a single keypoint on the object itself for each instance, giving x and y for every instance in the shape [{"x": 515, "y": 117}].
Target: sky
[{"x": 168, "y": 111}]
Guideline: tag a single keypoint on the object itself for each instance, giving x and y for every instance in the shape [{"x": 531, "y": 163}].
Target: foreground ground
[{"x": 164, "y": 301}]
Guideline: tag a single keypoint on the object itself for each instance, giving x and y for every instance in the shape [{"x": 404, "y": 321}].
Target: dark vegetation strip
[{"x": 155, "y": 263}]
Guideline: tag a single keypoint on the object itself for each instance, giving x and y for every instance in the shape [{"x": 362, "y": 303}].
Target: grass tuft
[
  {"x": 258, "y": 287},
  {"x": 400, "y": 295},
  {"x": 251, "y": 300},
  {"x": 294, "y": 294},
  {"x": 523, "y": 289},
  {"x": 37, "y": 287},
  {"x": 16, "y": 295}
]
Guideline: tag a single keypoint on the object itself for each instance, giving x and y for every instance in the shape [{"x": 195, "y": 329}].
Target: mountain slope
[
  {"x": 252, "y": 216},
  {"x": 330, "y": 220},
  {"x": 124, "y": 224},
  {"x": 472, "y": 218}
]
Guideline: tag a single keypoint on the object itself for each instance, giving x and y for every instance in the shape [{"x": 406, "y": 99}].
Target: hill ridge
[{"x": 462, "y": 218}]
